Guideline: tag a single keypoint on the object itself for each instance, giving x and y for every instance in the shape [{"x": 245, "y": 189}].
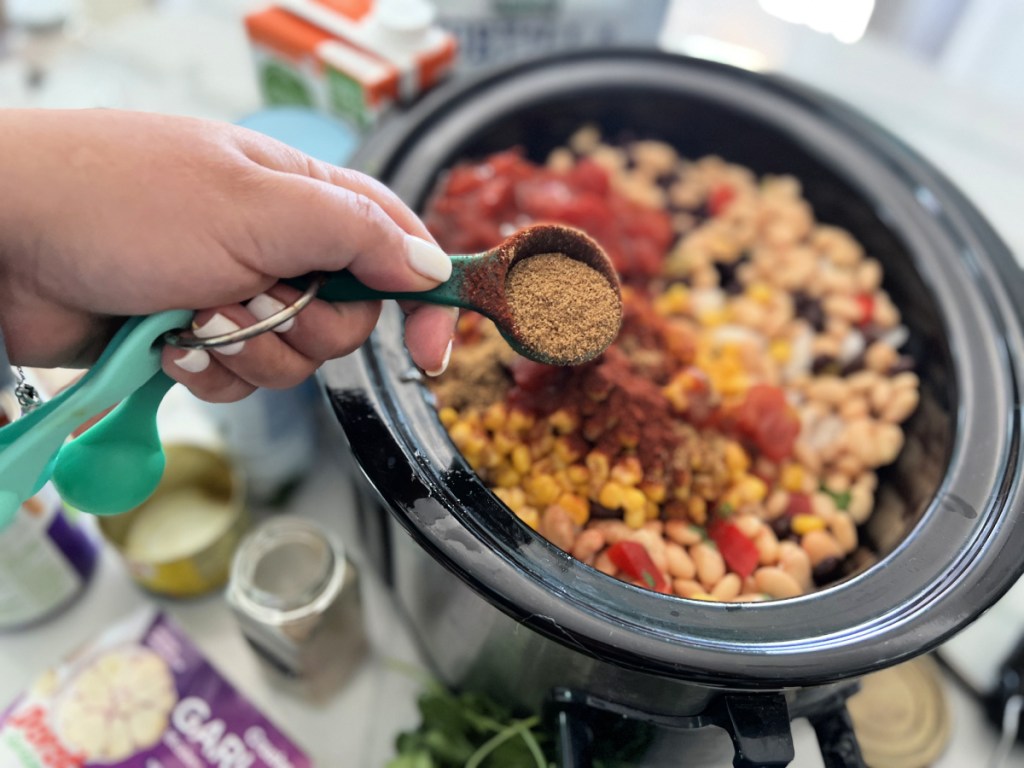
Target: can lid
[{"x": 286, "y": 566}]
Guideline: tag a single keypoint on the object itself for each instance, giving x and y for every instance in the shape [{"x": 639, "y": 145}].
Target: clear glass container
[{"x": 296, "y": 597}]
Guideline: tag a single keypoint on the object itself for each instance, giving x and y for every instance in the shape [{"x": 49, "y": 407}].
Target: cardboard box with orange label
[{"x": 354, "y": 59}]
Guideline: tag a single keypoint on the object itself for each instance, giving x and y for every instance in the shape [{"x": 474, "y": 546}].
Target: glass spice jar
[{"x": 296, "y": 597}]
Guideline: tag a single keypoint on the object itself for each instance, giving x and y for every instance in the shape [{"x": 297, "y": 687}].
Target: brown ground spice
[
  {"x": 562, "y": 307},
  {"x": 478, "y": 373}
]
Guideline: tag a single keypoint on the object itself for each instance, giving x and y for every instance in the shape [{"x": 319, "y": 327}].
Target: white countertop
[{"x": 192, "y": 58}]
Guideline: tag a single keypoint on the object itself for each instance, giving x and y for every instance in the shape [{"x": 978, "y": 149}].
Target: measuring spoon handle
[{"x": 343, "y": 286}]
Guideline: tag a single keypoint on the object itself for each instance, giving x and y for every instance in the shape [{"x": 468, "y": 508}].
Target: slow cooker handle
[{"x": 757, "y": 723}]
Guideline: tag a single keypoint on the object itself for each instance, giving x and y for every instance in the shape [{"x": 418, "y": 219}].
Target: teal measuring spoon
[
  {"x": 118, "y": 462},
  {"x": 31, "y": 447}
]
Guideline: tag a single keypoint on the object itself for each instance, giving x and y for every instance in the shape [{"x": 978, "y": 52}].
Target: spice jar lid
[{"x": 285, "y": 569}]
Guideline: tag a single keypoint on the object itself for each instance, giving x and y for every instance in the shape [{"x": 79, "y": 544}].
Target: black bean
[
  {"x": 666, "y": 180},
  {"x": 827, "y": 570},
  {"x": 727, "y": 277},
  {"x": 781, "y": 526},
  {"x": 810, "y": 309},
  {"x": 856, "y": 364},
  {"x": 823, "y": 365},
  {"x": 603, "y": 513}
]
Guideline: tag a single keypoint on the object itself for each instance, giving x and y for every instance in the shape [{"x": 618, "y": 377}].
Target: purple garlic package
[{"x": 139, "y": 695}]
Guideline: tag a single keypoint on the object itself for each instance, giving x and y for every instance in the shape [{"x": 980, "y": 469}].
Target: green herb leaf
[{"x": 842, "y": 500}]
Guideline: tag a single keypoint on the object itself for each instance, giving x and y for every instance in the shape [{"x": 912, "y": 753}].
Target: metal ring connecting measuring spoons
[{"x": 186, "y": 339}]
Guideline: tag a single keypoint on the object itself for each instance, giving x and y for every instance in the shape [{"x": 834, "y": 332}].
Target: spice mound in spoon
[{"x": 562, "y": 307}]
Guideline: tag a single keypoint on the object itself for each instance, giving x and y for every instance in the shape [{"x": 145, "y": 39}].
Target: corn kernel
[
  {"x": 702, "y": 596},
  {"x": 697, "y": 509},
  {"x": 460, "y": 433},
  {"x": 565, "y": 452},
  {"x": 651, "y": 510},
  {"x": 518, "y": 422},
  {"x": 521, "y": 459},
  {"x": 494, "y": 417},
  {"x": 543, "y": 446},
  {"x": 530, "y": 516},
  {"x": 627, "y": 471},
  {"x": 577, "y": 507},
  {"x": 562, "y": 421},
  {"x": 475, "y": 446},
  {"x": 656, "y": 492},
  {"x": 677, "y": 396},
  {"x": 801, "y": 524},
  {"x": 736, "y": 458},
  {"x": 507, "y": 478},
  {"x": 714, "y": 317},
  {"x": 448, "y": 416},
  {"x": 780, "y": 351},
  {"x": 514, "y": 498},
  {"x": 733, "y": 383},
  {"x": 674, "y": 301},
  {"x": 503, "y": 444},
  {"x": 760, "y": 292},
  {"x": 635, "y": 518},
  {"x": 578, "y": 474},
  {"x": 792, "y": 478},
  {"x": 611, "y": 495},
  {"x": 490, "y": 458},
  {"x": 633, "y": 498},
  {"x": 752, "y": 489},
  {"x": 543, "y": 488},
  {"x": 598, "y": 465}
]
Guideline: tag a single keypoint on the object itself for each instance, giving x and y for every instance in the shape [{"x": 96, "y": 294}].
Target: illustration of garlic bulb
[{"x": 117, "y": 706}]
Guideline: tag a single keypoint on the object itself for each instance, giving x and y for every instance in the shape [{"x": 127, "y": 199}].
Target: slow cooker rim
[{"x": 819, "y": 674}]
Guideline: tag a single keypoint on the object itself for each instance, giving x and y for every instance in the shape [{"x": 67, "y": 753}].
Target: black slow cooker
[{"x": 500, "y": 609}]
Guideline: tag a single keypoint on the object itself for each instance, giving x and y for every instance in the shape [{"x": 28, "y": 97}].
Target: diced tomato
[
  {"x": 768, "y": 421},
  {"x": 477, "y": 201},
  {"x": 632, "y": 559},
  {"x": 739, "y": 552},
  {"x": 719, "y": 198},
  {"x": 866, "y": 305},
  {"x": 588, "y": 176}
]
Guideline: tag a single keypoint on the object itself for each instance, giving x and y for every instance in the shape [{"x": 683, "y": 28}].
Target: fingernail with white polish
[
  {"x": 217, "y": 325},
  {"x": 194, "y": 361},
  {"x": 427, "y": 259},
  {"x": 264, "y": 305},
  {"x": 444, "y": 361}
]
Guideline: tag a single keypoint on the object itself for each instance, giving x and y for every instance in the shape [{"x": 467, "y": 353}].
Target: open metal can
[{"x": 181, "y": 540}]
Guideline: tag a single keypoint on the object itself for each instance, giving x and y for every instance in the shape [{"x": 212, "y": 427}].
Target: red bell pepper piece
[
  {"x": 632, "y": 559},
  {"x": 719, "y": 198},
  {"x": 866, "y": 305},
  {"x": 739, "y": 552}
]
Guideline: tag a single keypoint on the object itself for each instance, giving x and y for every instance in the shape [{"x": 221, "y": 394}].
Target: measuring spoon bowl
[{"x": 116, "y": 464}]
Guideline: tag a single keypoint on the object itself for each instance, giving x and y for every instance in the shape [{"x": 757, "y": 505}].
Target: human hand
[{"x": 106, "y": 214}]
